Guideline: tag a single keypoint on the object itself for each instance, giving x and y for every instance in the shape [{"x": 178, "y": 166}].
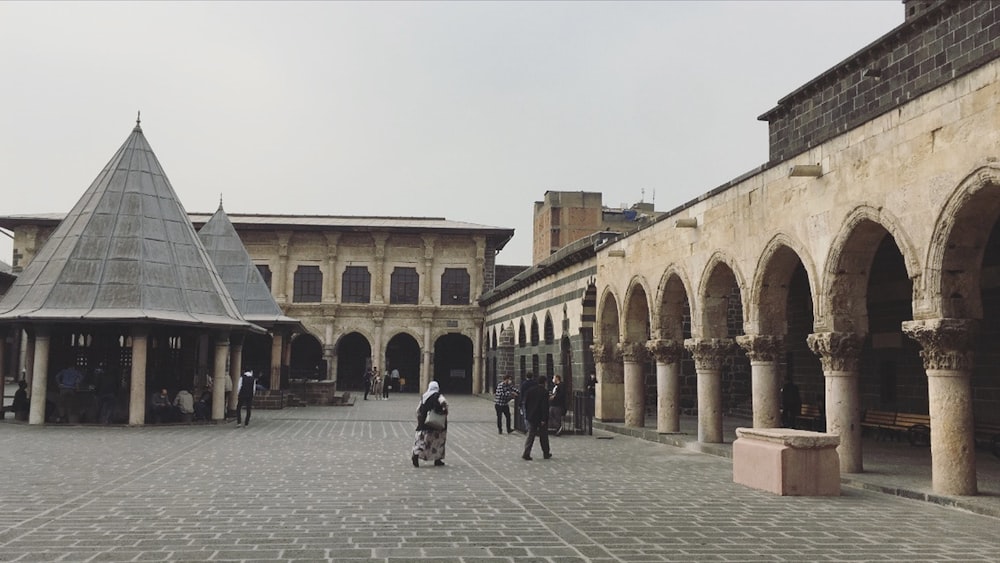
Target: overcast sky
[{"x": 463, "y": 110}]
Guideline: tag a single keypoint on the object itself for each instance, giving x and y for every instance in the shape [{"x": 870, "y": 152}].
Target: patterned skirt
[{"x": 429, "y": 444}]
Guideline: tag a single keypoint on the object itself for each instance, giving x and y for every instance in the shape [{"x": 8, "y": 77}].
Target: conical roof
[
  {"x": 242, "y": 278},
  {"x": 127, "y": 251}
]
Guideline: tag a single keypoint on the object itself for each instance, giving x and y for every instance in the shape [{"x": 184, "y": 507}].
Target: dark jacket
[
  {"x": 558, "y": 396},
  {"x": 536, "y": 404}
]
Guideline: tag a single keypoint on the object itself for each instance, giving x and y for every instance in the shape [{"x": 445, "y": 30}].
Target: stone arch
[
  {"x": 453, "y": 363},
  {"x": 522, "y": 335},
  {"x": 354, "y": 351},
  {"x": 306, "y": 357},
  {"x": 770, "y": 288},
  {"x": 403, "y": 353},
  {"x": 673, "y": 304},
  {"x": 637, "y": 317},
  {"x": 843, "y": 307},
  {"x": 720, "y": 281},
  {"x": 534, "y": 330},
  {"x": 608, "y": 320},
  {"x": 548, "y": 332},
  {"x": 955, "y": 255}
]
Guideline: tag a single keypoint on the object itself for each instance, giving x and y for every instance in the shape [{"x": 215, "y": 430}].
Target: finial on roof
[
  {"x": 138, "y": 120},
  {"x": 220, "y": 201}
]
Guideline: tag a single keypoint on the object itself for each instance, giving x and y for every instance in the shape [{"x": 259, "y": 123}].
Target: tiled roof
[{"x": 126, "y": 251}]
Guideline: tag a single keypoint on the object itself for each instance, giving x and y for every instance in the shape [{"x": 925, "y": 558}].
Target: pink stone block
[{"x": 787, "y": 462}]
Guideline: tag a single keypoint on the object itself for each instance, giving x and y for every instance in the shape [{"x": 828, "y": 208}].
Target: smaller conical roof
[{"x": 242, "y": 278}]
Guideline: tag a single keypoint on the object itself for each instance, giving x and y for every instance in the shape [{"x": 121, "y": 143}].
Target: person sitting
[
  {"x": 161, "y": 409},
  {"x": 184, "y": 403},
  {"x": 203, "y": 407},
  {"x": 21, "y": 404}
]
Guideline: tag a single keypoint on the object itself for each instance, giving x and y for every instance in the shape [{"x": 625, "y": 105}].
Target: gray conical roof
[
  {"x": 127, "y": 251},
  {"x": 242, "y": 278}
]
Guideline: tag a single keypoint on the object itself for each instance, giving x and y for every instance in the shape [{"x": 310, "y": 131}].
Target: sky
[{"x": 465, "y": 110}]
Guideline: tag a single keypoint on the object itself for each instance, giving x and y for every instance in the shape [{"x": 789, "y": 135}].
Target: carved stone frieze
[
  {"x": 633, "y": 352},
  {"x": 665, "y": 351},
  {"x": 762, "y": 347},
  {"x": 948, "y": 344},
  {"x": 605, "y": 354},
  {"x": 709, "y": 353},
  {"x": 838, "y": 351}
]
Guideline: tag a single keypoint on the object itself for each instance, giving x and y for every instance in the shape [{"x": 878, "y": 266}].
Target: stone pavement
[{"x": 335, "y": 484}]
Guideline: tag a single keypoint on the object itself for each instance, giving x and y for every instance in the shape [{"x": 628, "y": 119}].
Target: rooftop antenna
[{"x": 220, "y": 200}]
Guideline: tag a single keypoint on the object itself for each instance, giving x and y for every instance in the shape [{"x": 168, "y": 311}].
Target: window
[
  {"x": 265, "y": 272},
  {"x": 404, "y": 286},
  {"x": 455, "y": 287},
  {"x": 308, "y": 285},
  {"x": 357, "y": 285}
]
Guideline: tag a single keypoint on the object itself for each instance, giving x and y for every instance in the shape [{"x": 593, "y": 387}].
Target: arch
[
  {"x": 307, "y": 357},
  {"x": 673, "y": 304},
  {"x": 958, "y": 244},
  {"x": 637, "y": 318},
  {"x": 719, "y": 282},
  {"x": 354, "y": 354},
  {"x": 522, "y": 335},
  {"x": 453, "y": 363},
  {"x": 534, "y": 330},
  {"x": 607, "y": 320},
  {"x": 403, "y": 353},
  {"x": 770, "y": 287},
  {"x": 843, "y": 306},
  {"x": 548, "y": 331}
]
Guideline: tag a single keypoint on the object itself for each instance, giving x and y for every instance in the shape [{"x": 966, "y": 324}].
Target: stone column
[
  {"x": 280, "y": 278},
  {"x": 39, "y": 344},
  {"x": 28, "y": 364},
  {"x": 329, "y": 354},
  {"x": 709, "y": 354},
  {"x": 505, "y": 354},
  {"x": 137, "y": 380},
  {"x": 478, "y": 376},
  {"x": 426, "y": 282},
  {"x": 633, "y": 358},
  {"x": 276, "y": 343},
  {"x": 476, "y": 283},
  {"x": 330, "y": 279},
  {"x": 948, "y": 346},
  {"x": 378, "y": 354},
  {"x": 609, "y": 399},
  {"x": 235, "y": 367},
  {"x": 764, "y": 351},
  {"x": 218, "y": 377},
  {"x": 3, "y": 357},
  {"x": 426, "y": 375},
  {"x": 839, "y": 352},
  {"x": 668, "y": 367},
  {"x": 378, "y": 276}
]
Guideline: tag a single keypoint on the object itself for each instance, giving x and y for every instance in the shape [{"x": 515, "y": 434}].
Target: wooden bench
[
  {"x": 917, "y": 427},
  {"x": 879, "y": 423},
  {"x": 811, "y": 418},
  {"x": 988, "y": 433}
]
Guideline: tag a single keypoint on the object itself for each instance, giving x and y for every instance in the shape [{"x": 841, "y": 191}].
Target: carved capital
[
  {"x": 762, "y": 347},
  {"x": 606, "y": 354},
  {"x": 665, "y": 351},
  {"x": 838, "y": 351},
  {"x": 948, "y": 344},
  {"x": 632, "y": 352},
  {"x": 709, "y": 353}
]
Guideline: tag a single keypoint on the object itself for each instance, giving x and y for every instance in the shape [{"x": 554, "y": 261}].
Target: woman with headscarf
[{"x": 429, "y": 442}]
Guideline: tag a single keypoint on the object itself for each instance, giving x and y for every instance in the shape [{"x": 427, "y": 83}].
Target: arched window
[
  {"x": 404, "y": 286},
  {"x": 550, "y": 333},
  {"x": 522, "y": 336},
  {"x": 307, "y": 286},
  {"x": 455, "y": 286},
  {"x": 534, "y": 334},
  {"x": 357, "y": 285}
]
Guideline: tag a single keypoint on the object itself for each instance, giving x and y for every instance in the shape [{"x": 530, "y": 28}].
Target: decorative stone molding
[
  {"x": 665, "y": 351},
  {"x": 948, "y": 344},
  {"x": 762, "y": 347},
  {"x": 633, "y": 352},
  {"x": 709, "y": 353},
  {"x": 838, "y": 351},
  {"x": 605, "y": 354}
]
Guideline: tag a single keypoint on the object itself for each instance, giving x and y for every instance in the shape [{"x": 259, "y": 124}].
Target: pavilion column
[
  {"x": 839, "y": 353},
  {"x": 235, "y": 366},
  {"x": 28, "y": 355},
  {"x": 633, "y": 358},
  {"x": 668, "y": 367},
  {"x": 709, "y": 354},
  {"x": 137, "y": 380},
  {"x": 948, "y": 346},
  {"x": 218, "y": 376},
  {"x": 276, "y": 345},
  {"x": 426, "y": 376},
  {"x": 477, "y": 360},
  {"x": 39, "y": 344},
  {"x": 609, "y": 395},
  {"x": 764, "y": 351}
]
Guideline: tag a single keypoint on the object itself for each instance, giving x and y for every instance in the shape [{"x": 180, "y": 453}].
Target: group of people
[
  {"x": 185, "y": 408},
  {"x": 379, "y": 386},
  {"x": 542, "y": 408}
]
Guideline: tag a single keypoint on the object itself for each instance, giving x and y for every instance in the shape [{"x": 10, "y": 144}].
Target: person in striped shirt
[{"x": 501, "y": 402}]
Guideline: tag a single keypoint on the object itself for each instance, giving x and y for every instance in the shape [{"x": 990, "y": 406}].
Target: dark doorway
[
  {"x": 257, "y": 356},
  {"x": 353, "y": 358},
  {"x": 453, "y": 363},
  {"x": 403, "y": 354},
  {"x": 307, "y": 358}
]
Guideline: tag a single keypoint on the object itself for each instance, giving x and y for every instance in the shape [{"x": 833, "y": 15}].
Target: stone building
[{"x": 859, "y": 261}]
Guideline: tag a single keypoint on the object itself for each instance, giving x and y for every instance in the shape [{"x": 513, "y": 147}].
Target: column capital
[
  {"x": 606, "y": 353},
  {"x": 947, "y": 344},
  {"x": 838, "y": 351},
  {"x": 665, "y": 351},
  {"x": 762, "y": 347},
  {"x": 632, "y": 352},
  {"x": 709, "y": 353}
]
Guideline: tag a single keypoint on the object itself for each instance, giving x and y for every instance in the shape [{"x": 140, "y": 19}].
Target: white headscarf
[{"x": 431, "y": 389}]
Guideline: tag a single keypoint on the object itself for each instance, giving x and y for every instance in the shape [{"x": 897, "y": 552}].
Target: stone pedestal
[{"x": 787, "y": 462}]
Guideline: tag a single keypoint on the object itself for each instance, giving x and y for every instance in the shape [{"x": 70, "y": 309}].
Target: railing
[{"x": 583, "y": 413}]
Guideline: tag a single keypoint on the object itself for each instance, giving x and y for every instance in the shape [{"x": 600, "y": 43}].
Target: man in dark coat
[{"x": 536, "y": 415}]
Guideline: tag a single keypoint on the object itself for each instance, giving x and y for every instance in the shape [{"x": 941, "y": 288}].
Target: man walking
[
  {"x": 536, "y": 414},
  {"x": 557, "y": 404},
  {"x": 501, "y": 402},
  {"x": 244, "y": 397}
]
